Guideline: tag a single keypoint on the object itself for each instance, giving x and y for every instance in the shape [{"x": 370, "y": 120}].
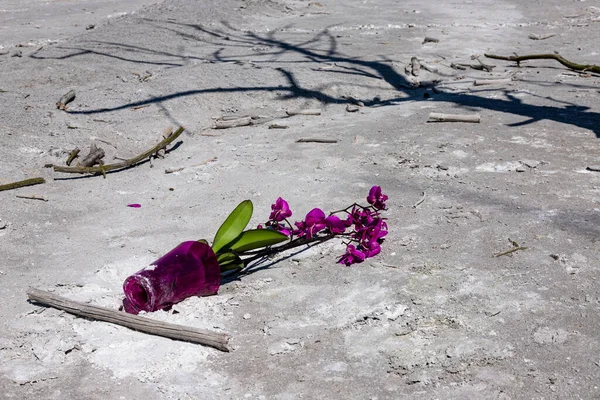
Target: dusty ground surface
[{"x": 435, "y": 315}]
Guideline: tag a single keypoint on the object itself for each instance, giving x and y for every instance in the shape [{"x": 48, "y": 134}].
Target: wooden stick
[
  {"x": 482, "y": 82},
  {"x": 232, "y": 123},
  {"x": 560, "y": 59},
  {"x": 72, "y": 155},
  {"x": 135, "y": 322},
  {"x": 424, "y": 196},
  {"x": 315, "y": 140},
  {"x": 429, "y": 39},
  {"x": 415, "y": 66},
  {"x": 26, "y": 182},
  {"x": 127, "y": 163},
  {"x": 509, "y": 251},
  {"x": 278, "y": 126},
  {"x": 32, "y": 198},
  {"x": 61, "y": 104},
  {"x": 309, "y": 111},
  {"x": 93, "y": 157},
  {"x": 439, "y": 117},
  {"x": 534, "y": 36}
]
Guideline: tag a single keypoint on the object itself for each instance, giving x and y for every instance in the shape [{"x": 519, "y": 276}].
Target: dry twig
[
  {"x": 309, "y": 111},
  {"x": 94, "y": 157},
  {"x": 26, "y": 182},
  {"x": 72, "y": 155},
  {"x": 316, "y": 140},
  {"x": 146, "y": 325},
  {"x": 482, "y": 82},
  {"x": 560, "y": 59},
  {"x": 421, "y": 200},
  {"x": 103, "y": 169},
  {"x": 232, "y": 123},
  {"x": 534, "y": 36},
  {"x": 32, "y": 198},
  {"x": 439, "y": 117},
  {"x": 61, "y": 104}
]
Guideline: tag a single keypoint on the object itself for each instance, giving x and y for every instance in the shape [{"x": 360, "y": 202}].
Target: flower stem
[{"x": 287, "y": 246}]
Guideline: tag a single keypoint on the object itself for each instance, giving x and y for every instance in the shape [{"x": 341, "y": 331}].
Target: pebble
[
  {"x": 595, "y": 168},
  {"x": 2, "y": 224},
  {"x": 352, "y": 108},
  {"x": 247, "y": 316},
  {"x": 520, "y": 169}
]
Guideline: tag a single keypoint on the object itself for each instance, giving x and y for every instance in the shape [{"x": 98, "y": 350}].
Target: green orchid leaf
[
  {"x": 255, "y": 239},
  {"x": 227, "y": 257},
  {"x": 234, "y": 225},
  {"x": 228, "y": 261}
]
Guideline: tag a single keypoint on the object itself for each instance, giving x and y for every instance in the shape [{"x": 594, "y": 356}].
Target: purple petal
[
  {"x": 315, "y": 216},
  {"x": 335, "y": 224},
  {"x": 134, "y": 205}
]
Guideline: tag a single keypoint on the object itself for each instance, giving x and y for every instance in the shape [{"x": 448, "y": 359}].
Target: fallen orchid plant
[{"x": 194, "y": 268}]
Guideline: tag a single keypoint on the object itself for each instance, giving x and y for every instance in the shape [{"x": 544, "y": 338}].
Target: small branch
[
  {"x": 127, "y": 163},
  {"x": 26, "y": 182},
  {"x": 482, "y": 82},
  {"x": 315, "y": 140},
  {"x": 484, "y": 66},
  {"x": 429, "y": 39},
  {"x": 232, "y": 123},
  {"x": 94, "y": 157},
  {"x": 439, "y": 117},
  {"x": 32, "y": 198},
  {"x": 61, "y": 104},
  {"x": 503, "y": 253},
  {"x": 310, "y": 111},
  {"x": 278, "y": 126},
  {"x": 534, "y": 36},
  {"x": 72, "y": 155},
  {"x": 415, "y": 66},
  {"x": 420, "y": 201},
  {"x": 135, "y": 322},
  {"x": 560, "y": 59},
  {"x": 515, "y": 247}
]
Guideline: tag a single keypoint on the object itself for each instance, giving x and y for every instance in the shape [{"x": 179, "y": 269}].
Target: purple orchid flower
[
  {"x": 335, "y": 224},
  {"x": 276, "y": 226},
  {"x": 376, "y": 198},
  {"x": 352, "y": 256},
  {"x": 281, "y": 210},
  {"x": 371, "y": 248},
  {"x": 312, "y": 224}
]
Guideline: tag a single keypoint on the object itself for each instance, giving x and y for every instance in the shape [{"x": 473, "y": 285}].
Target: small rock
[
  {"x": 595, "y": 168},
  {"x": 3, "y": 224},
  {"x": 531, "y": 163},
  {"x": 247, "y": 316},
  {"x": 352, "y": 108},
  {"x": 16, "y": 53},
  {"x": 520, "y": 169},
  {"x": 90, "y": 27},
  {"x": 442, "y": 167}
]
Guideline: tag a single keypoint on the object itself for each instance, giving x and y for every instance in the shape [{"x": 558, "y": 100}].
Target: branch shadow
[{"x": 232, "y": 45}]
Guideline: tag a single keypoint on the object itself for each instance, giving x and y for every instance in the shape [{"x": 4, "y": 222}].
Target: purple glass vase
[{"x": 190, "y": 269}]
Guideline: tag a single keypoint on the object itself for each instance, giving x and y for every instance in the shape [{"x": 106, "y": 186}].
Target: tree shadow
[{"x": 229, "y": 45}]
